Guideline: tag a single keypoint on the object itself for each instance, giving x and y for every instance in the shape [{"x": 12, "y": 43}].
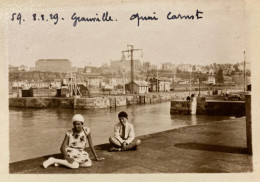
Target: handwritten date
[{"x": 37, "y": 17}]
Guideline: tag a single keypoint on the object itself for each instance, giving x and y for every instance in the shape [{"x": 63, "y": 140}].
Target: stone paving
[{"x": 217, "y": 147}]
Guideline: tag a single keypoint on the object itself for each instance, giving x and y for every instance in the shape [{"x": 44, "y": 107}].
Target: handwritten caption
[{"x": 104, "y": 17}]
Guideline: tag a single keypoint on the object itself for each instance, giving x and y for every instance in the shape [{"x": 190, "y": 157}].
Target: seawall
[
  {"x": 227, "y": 108},
  {"x": 99, "y": 102}
]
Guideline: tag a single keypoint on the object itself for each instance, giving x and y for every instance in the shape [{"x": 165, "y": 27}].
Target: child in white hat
[{"x": 74, "y": 145}]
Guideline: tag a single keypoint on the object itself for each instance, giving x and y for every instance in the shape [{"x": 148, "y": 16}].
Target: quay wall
[
  {"x": 230, "y": 108},
  {"x": 108, "y": 101},
  {"x": 41, "y": 102},
  {"x": 91, "y": 103},
  {"x": 226, "y": 108},
  {"x": 96, "y": 102}
]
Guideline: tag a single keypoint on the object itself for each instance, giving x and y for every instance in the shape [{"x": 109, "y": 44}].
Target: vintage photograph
[{"x": 129, "y": 87}]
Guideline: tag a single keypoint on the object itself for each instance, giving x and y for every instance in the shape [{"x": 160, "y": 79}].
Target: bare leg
[
  {"x": 114, "y": 142},
  {"x": 133, "y": 144},
  {"x": 86, "y": 164},
  {"x": 51, "y": 161}
]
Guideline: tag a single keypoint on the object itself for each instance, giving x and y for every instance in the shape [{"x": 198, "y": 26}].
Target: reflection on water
[{"x": 38, "y": 132}]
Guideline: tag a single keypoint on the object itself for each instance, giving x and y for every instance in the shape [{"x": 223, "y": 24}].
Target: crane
[{"x": 130, "y": 50}]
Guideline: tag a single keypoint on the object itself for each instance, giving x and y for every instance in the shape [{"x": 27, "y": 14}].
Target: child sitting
[
  {"x": 124, "y": 135},
  {"x": 74, "y": 145}
]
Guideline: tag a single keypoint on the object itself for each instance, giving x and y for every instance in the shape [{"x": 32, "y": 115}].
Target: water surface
[{"x": 38, "y": 132}]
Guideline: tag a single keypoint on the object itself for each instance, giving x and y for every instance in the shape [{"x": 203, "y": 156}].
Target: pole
[
  {"x": 244, "y": 72},
  {"x": 199, "y": 86},
  {"x": 74, "y": 86},
  {"x": 132, "y": 70},
  {"x": 190, "y": 84},
  {"x": 131, "y": 50},
  {"x": 71, "y": 86},
  {"x": 124, "y": 81},
  {"x": 157, "y": 84}
]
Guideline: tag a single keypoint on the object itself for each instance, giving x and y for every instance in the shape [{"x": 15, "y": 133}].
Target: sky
[{"x": 217, "y": 37}]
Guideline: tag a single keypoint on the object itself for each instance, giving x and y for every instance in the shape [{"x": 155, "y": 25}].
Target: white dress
[{"x": 77, "y": 144}]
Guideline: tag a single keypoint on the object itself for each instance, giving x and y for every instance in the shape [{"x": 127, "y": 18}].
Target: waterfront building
[
  {"x": 53, "y": 65},
  {"x": 140, "y": 87},
  {"x": 164, "y": 86},
  {"x": 55, "y": 84},
  {"x": 95, "y": 82},
  {"x": 159, "y": 85},
  {"x": 153, "y": 87}
]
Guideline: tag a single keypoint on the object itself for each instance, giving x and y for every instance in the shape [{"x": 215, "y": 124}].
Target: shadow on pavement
[
  {"x": 105, "y": 146},
  {"x": 215, "y": 148}
]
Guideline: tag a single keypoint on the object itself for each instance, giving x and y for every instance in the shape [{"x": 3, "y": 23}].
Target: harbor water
[{"x": 37, "y": 132}]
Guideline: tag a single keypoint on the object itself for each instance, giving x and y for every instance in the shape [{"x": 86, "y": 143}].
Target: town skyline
[
  {"x": 92, "y": 63},
  {"x": 153, "y": 66}
]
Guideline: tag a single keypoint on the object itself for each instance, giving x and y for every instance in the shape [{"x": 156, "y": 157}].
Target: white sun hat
[{"x": 78, "y": 117}]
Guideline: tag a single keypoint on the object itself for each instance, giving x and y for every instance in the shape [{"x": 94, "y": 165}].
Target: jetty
[{"x": 216, "y": 147}]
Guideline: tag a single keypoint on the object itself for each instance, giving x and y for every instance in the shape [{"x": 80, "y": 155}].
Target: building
[
  {"x": 95, "y": 82},
  {"x": 211, "y": 71},
  {"x": 164, "y": 86},
  {"x": 159, "y": 85},
  {"x": 239, "y": 79},
  {"x": 244, "y": 66},
  {"x": 140, "y": 87},
  {"x": 168, "y": 66},
  {"x": 13, "y": 68},
  {"x": 23, "y": 68},
  {"x": 32, "y": 69},
  {"x": 88, "y": 69},
  {"x": 118, "y": 81},
  {"x": 53, "y": 65},
  {"x": 185, "y": 67},
  {"x": 124, "y": 65},
  {"x": 154, "y": 84},
  {"x": 228, "y": 80},
  {"x": 211, "y": 80},
  {"x": 198, "y": 68}
]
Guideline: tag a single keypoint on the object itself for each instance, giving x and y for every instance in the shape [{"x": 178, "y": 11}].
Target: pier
[{"x": 217, "y": 147}]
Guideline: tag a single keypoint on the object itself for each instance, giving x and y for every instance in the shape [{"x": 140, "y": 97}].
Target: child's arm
[
  {"x": 117, "y": 134},
  {"x": 92, "y": 147},
  {"x": 131, "y": 136},
  {"x": 63, "y": 149}
]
